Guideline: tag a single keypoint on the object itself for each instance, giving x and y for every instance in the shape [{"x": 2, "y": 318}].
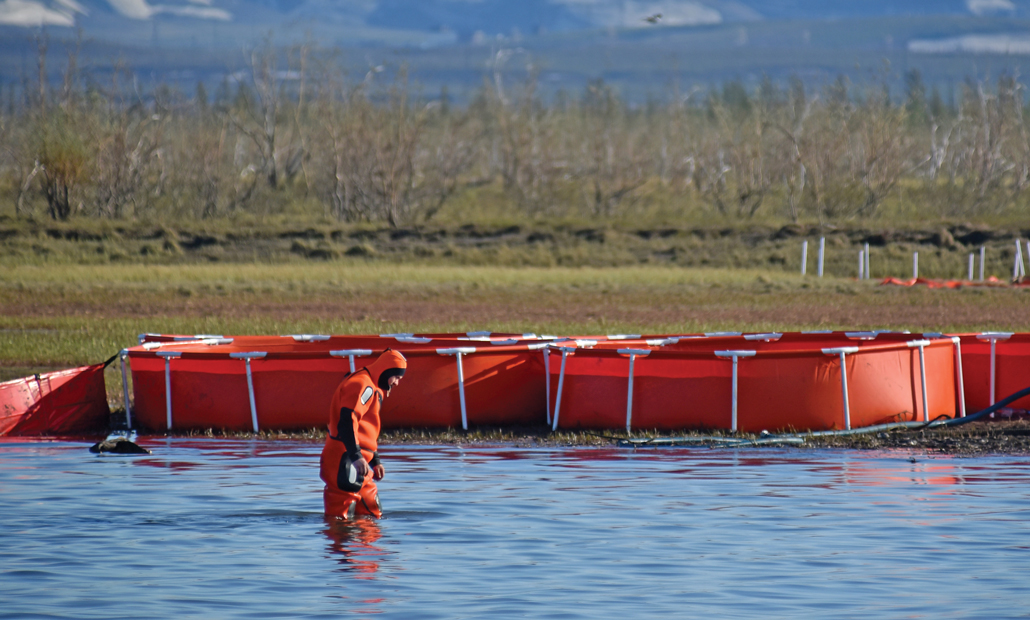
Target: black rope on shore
[{"x": 984, "y": 413}]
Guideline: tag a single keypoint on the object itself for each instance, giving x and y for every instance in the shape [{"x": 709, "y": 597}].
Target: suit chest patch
[{"x": 366, "y": 395}]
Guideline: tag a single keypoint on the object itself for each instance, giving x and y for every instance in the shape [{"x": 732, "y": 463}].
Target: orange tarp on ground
[
  {"x": 991, "y": 281},
  {"x": 62, "y": 402}
]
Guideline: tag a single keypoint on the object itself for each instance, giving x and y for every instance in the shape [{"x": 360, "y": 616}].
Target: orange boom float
[
  {"x": 55, "y": 403},
  {"x": 728, "y": 381},
  {"x": 994, "y": 365},
  {"x": 757, "y": 382},
  {"x": 253, "y": 383}
]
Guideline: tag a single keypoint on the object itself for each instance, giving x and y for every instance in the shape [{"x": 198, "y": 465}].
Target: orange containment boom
[
  {"x": 995, "y": 364},
  {"x": 728, "y": 380},
  {"x": 752, "y": 383},
  {"x": 55, "y": 403},
  {"x": 286, "y": 382}
]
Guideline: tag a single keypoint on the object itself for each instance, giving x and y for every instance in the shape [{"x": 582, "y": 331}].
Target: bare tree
[
  {"x": 127, "y": 145},
  {"x": 614, "y": 161},
  {"x": 732, "y": 172},
  {"x": 373, "y": 151},
  {"x": 522, "y": 134},
  {"x": 792, "y": 126},
  {"x": 62, "y": 160},
  {"x": 261, "y": 121},
  {"x": 379, "y": 165},
  {"x": 1021, "y": 147},
  {"x": 881, "y": 151},
  {"x": 985, "y": 136},
  {"x": 446, "y": 155}
]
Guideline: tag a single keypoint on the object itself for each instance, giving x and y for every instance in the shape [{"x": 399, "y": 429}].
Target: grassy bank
[
  {"x": 943, "y": 246},
  {"x": 60, "y": 315}
]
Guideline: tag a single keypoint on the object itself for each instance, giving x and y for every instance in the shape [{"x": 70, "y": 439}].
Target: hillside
[{"x": 457, "y": 44}]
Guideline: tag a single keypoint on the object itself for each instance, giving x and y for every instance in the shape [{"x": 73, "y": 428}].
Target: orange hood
[{"x": 390, "y": 364}]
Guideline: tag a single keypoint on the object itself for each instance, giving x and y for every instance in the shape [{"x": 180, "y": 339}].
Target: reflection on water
[
  {"x": 353, "y": 544},
  {"x": 233, "y": 529}
]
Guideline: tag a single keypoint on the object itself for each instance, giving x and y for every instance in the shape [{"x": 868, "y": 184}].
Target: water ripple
[{"x": 233, "y": 529}]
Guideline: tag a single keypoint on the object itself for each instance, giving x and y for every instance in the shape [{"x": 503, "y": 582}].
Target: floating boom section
[
  {"x": 733, "y": 383},
  {"x": 287, "y": 383},
  {"x": 727, "y": 380},
  {"x": 55, "y": 403},
  {"x": 995, "y": 364}
]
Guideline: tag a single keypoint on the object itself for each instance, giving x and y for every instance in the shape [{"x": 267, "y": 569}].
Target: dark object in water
[{"x": 117, "y": 445}]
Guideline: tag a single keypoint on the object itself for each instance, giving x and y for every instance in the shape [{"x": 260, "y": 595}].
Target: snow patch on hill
[
  {"x": 140, "y": 9},
  {"x": 36, "y": 13},
  {"x": 1006, "y": 44},
  {"x": 31, "y": 14}
]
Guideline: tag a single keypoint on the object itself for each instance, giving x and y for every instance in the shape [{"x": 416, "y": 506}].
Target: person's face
[{"x": 391, "y": 382}]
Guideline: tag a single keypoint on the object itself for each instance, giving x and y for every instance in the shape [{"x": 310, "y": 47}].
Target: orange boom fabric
[
  {"x": 66, "y": 401},
  {"x": 354, "y": 433},
  {"x": 294, "y": 382},
  {"x": 994, "y": 372},
  {"x": 791, "y": 380}
]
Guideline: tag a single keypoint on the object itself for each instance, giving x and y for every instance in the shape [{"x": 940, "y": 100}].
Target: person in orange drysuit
[{"x": 350, "y": 461}]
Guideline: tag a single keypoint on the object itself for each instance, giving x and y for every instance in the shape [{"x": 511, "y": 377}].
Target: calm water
[{"x": 233, "y": 529}]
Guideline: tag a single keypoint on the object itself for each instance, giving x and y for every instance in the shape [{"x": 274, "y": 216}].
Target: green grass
[
  {"x": 59, "y": 316},
  {"x": 358, "y": 276},
  {"x": 80, "y": 314}
]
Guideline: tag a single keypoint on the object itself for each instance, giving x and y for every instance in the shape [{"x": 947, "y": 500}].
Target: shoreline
[{"x": 995, "y": 437}]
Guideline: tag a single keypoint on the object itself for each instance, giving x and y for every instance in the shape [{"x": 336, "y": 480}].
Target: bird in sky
[{"x": 654, "y": 19}]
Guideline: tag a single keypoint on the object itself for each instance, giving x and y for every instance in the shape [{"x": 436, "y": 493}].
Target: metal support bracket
[
  {"x": 842, "y": 351},
  {"x": 457, "y": 352},
  {"x": 168, "y": 357},
  {"x": 632, "y": 353},
  {"x": 735, "y": 355},
  {"x": 250, "y": 382},
  {"x": 993, "y": 337},
  {"x": 351, "y": 354}
]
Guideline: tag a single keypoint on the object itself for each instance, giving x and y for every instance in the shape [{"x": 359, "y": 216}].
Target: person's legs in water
[{"x": 345, "y": 504}]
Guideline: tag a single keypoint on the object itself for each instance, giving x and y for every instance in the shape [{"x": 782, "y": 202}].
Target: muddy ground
[{"x": 994, "y": 437}]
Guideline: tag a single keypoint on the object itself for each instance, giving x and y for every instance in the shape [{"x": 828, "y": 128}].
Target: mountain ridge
[{"x": 469, "y": 19}]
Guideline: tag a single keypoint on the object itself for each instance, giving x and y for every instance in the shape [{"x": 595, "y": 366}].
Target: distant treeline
[{"x": 292, "y": 131}]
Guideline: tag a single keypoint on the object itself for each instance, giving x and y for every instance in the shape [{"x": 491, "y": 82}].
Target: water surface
[{"x": 233, "y": 529}]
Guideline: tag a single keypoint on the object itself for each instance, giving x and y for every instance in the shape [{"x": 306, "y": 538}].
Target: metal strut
[
  {"x": 457, "y": 353},
  {"x": 735, "y": 355},
  {"x": 250, "y": 382}
]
